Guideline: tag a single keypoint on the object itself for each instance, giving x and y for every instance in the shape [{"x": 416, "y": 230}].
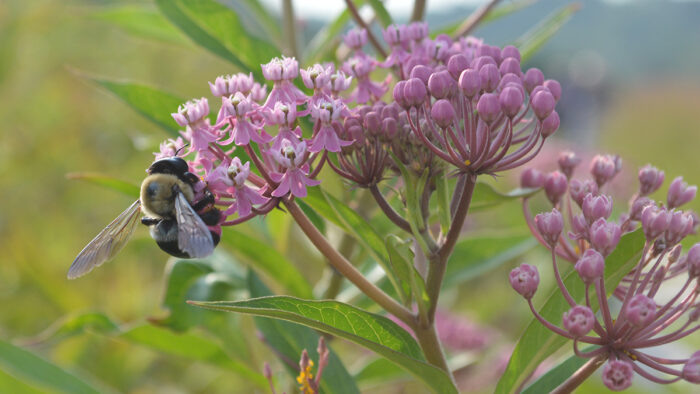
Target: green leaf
[
  {"x": 534, "y": 38},
  {"x": 142, "y": 22},
  {"x": 372, "y": 331},
  {"x": 106, "y": 181},
  {"x": 10, "y": 384},
  {"x": 152, "y": 103},
  {"x": 557, "y": 375},
  {"x": 485, "y": 196},
  {"x": 494, "y": 15},
  {"x": 288, "y": 340},
  {"x": 218, "y": 29},
  {"x": 381, "y": 12},
  {"x": 260, "y": 255},
  {"x": 380, "y": 371},
  {"x": 476, "y": 255},
  {"x": 443, "y": 201},
  {"x": 326, "y": 39},
  {"x": 267, "y": 21},
  {"x": 401, "y": 258},
  {"x": 28, "y": 367},
  {"x": 537, "y": 342}
]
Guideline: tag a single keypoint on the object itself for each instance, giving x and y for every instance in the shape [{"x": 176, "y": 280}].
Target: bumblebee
[{"x": 176, "y": 221}]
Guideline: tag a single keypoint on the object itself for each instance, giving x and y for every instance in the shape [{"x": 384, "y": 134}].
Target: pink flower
[
  {"x": 327, "y": 113},
  {"x": 171, "y": 148},
  {"x": 284, "y": 116},
  {"x": 295, "y": 178},
  {"x": 360, "y": 68},
  {"x": 246, "y": 197},
  {"x": 282, "y": 72},
  {"x": 237, "y": 109}
]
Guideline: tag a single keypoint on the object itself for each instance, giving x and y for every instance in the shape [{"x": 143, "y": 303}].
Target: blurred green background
[{"x": 633, "y": 94}]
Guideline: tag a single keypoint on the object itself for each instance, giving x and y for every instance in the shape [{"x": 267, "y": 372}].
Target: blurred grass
[{"x": 55, "y": 123}]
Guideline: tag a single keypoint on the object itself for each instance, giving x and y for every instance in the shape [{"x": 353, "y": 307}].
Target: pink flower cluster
[{"x": 646, "y": 318}]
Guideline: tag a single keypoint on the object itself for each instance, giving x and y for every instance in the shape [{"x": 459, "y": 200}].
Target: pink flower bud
[
  {"x": 618, "y": 374},
  {"x": 441, "y": 84},
  {"x": 550, "y": 124},
  {"x": 680, "y": 226},
  {"x": 680, "y": 193},
  {"x": 542, "y": 104},
  {"x": 525, "y": 279},
  {"x": 532, "y": 177},
  {"x": 550, "y": 225},
  {"x": 488, "y": 107},
  {"x": 457, "y": 64},
  {"x": 579, "y": 227},
  {"x": 596, "y": 207},
  {"x": 414, "y": 92},
  {"x": 470, "y": 82},
  {"x": 489, "y": 76},
  {"x": 691, "y": 369},
  {"x": 510, "y": 66},
  {"x": 579, "y": 320},
  {"x": 604, "y": 236},
  {"x": 443, "y": 113},
  {"x": 567, "y": 162},
  {"x": 641, "y": 310},
  {"x": 399, "y": 96},
  {"x": 693, "y": 260},
  {"x": 555, "y": 184},
  {"x": 655, "y": 221},
  {"x": 511, "y": 100},
  {"x": 510, "y": 51},
  {"x": 638, "y": 206},
  {"x": 532, "y": 79},
  {"x": 580, "y": 189},
  {"x": 650, "y": 179},
  {"x": 422, "y": 72},
  {"x": 554, "y": 87},
  {"x": 355, "y": 38},
  {"x": 591, "y": 266}
]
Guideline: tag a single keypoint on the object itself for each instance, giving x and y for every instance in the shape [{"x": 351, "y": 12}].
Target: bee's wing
[
  {"x": 107, "y": 243},
  {"x": 193, "y": 236}
]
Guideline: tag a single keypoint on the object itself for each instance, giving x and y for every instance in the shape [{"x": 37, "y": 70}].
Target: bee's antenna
[{"x": 177, "y": 152}]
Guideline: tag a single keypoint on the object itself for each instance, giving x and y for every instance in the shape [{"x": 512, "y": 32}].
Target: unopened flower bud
[
  {"x": 579, "y": 320},
  {"x": 489, "y": 76},
  {"x": 555, "y": 184},
  {"x": 567, "y": 162},
  {"x": 618, "y": 374},
  {"x": 604, "y": 168},
  {"x": 680, "y": 193},
  {"x": 596, "y": 207},
  {"x": 421, "y": 72},
  {"x": 550, "y": 124},
  {"x": 650, "y": 179},
  {"x": 457, "y": 64},
  {"x": 399, "y": 96},
  {"x": 604, "y": 236},
  {"x": 510, "y": 51},
  {"x": 580, "y": 189},
  {"x": 470, "y": 82},
  {"x": 414, "y": 92},
  {"x": 524, "y": 280},
  {"x": 355, "y": 38},
  {"x": 550, "y": 225},
  {"x": 488, "y": 107},
  {"x": 655, "y": 221},
  {"x": 372, "y": 122},
  {"x": 511, "y": 100},
  {"x": 641, "y": 310},
  {"x": 591, "y": 266},
  {"x": 579, "y": 227},
  {"x": 441, "y": 84},
  {"x": 693, "y": 260},
  {"x": 681, "y": 225},
  {"x": 554, "y": 87},
  {"x": 532, "y": 178},
  {"x": 691, "y": 369},
  {"x": 543, "y": 104},
  {"x": 638, "y": 206},
  {"x": 443, "y": 113},
  {"x": 510, "y": 66},
  {"x": 532, "y": 79},
  {"x": 389, "y": 129}
]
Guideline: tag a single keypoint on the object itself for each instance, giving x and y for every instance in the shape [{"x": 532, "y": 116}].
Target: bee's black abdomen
[
  {"x": 211, "y": 217},
  {"x": 215, "y": 237}
]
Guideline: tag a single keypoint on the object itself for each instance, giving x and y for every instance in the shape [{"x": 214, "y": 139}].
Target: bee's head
[{"x": 169, "y": 165}]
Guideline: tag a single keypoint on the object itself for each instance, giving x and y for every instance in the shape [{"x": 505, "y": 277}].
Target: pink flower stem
[
  {"x": 318, "y": 168},
  {"x": 560, "y": 283},
  {"x": 603, "y": 302},
  {"x": 260, "y": 166},
  {"x": 389, "y": 210},
  {"x": 361, "y": 22}
]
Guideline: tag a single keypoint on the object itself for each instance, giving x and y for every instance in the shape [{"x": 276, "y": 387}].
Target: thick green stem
[
  {"x": 340, "y": 263},
  {"x": 438, "y": 261},
  {"x": 290, "y": 27},
  {"x": 418, "y": 10},
  {"x": 346, "y": 247},
  {"x": 429, "y": 342},
  {"x": 581, "y": 375}
]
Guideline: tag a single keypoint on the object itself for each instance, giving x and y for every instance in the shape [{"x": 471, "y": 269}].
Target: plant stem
[
  {"x": 429, "y": 342},
  {"x": 581, "y": 375},
  {"x": 438, "y": 261},
  {"x": 361, "y": 22},
  {"x": 290, "y": 27},
  {"x": 339, "y": 262},
  {"x": 388, "y": 210},
  {"x": 473, "y": 20},
  {"x": 346, "y": 247},
  {"x": 418, "y": 10}
]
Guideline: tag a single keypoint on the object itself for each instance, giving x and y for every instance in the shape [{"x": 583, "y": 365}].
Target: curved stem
[
  {"x": 388, "y": 210},
  {"x": 581, "y": 375},
  {"x": 361, "y": 22}
]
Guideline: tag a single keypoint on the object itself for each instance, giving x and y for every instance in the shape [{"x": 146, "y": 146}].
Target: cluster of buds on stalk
[
  {"x": 458, "y": 104},
  {"x": 658, "y": 295},
  {"x": 308, "y": 383}
]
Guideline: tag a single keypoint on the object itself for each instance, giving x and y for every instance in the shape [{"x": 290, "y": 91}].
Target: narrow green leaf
[
  {"x": 142, "y": 22},
  {"x": 288, "y": 340},
  {"x": 260, "y": 255},
  {"x": 315, "y": 218},
  {"x": 534, "y": 38},
  {"x": 316, "y": 199},
  {"x": 326, "y": 39},
  {"x": 372, "y": 331},
  {"x": 494, "y": 15},
  {"x": 380, "y": 370},
  {"x": 485, "y": 196},
  {"x": 557, "y": 375},
  {"x": 152, "y": 103},
  {"x": 30, "y": 368},
  {"x": 537, "y": 342},
  {"x": 443, "y": 201},
  {"x": 401, "y": 262},
  {"x": 267, "y": 21},
  {"x": 106, "y": 181},
  {"x": 218, "y": 29},
  {"x": 381, "y": 12},
  {"x": 476, "y": 255},
  {"x": 10, "y": 384}
]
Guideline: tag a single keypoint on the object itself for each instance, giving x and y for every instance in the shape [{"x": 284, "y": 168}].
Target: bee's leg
[
  {"x": 208, "y": 199},
  {"x": 150, "y": 221}
]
